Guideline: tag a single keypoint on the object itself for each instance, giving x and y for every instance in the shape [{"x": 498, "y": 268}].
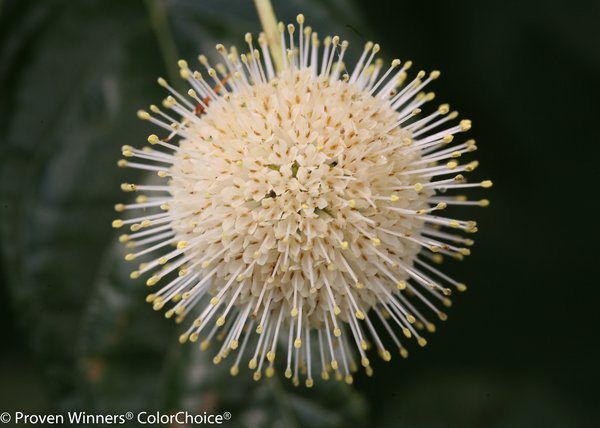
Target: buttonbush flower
[{"x": 300, "y": 213}]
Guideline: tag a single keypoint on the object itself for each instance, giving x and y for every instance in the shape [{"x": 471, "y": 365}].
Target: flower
[{"x": 299, "y": 215}]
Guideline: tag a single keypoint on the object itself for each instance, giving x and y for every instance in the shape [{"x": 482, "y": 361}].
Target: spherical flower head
[{"x": 299, "y": 212}]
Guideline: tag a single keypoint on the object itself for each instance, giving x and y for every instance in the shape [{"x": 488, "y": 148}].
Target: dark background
[{"x": 520, "y": 348}]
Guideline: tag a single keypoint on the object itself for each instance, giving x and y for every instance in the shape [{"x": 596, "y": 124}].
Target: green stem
[
  {"x": 168, "y": 49},
  {"x": 269, "y": 24}
]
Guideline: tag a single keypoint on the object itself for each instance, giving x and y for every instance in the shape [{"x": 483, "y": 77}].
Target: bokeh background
[{"x": 520, "y": 348}]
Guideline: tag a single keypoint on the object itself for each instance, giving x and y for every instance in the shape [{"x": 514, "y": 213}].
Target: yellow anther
[
  {"x": 360, "y": 285},
  {"x": 376, "y": 242},
  {"x": 364, "y": 362},
  {"x": 127, "y": 187},
  {"x": 294, "y": 312},
  {"x": 407, "y": 141},
  {"x": 334, "y": 364},
  {"x": 252, "y": 364},
  {"x": 234, "y": 371},
  {"x": 182, "y": 244},
  {"x": 259, "y": 329},
  {"x": 162, "y": 260},
  {"x": 270, "y": 371},
  {"x": 129, "y": 257},
  {"x": 122, "y": 163},
  {"x": 183, "y": 338},
  {"x": 443, "y": 109},
  {"x": 234, "y": 344},
  {"x": 451, "y": 164},
  {"x": 337, "y": 332},
  {"x": 471, "y": 166},
  {"x": 441, "y": 206},
  {"x": 454, "y": 223},
  {"x": 348, "y": 379},
  {"x": 430, "y": 327},
  {"x": 271, "y": 356},
  {"x": 337, "y": 310},
  {"x": 220, "y": 321},
  {"x": 150, "y": 298},
  {"x": 214, "y": 301},
  {"x": 465, "y": 251},
  {"x": 142, "y": 114},
  {"x": 410, "y": 318},
  {"x": 401, "y": 285},
  {"x": 216, "y": 360},
  {"x": 324, "y": 375},
  {"x": 407, "y": 333},
  {"x": 448, "y": 139},
  {"x": 418, "y": 187},
  {"x": 117, "y": 224},
  {"x": 205, "y": 264},
  {"x": 394, "y": 198},
  {"x": 204, "y": 345},
  {"x": 344, "y": 245},
  {"x": 135, "y": 274},
  {"x": 484, "y": 203},
  {"x": 385, "y": 354},
  {"x": 422, "y": 341},
  {"x": 403, "y": 353},
  {"x": 360, "y": 315},
  {"x": 240, "y": 277},
  {"x": 152, "y": 280},
  {"x": 486, "y": 184},
  {"x": 465, "y": 125},
  {"x": 434, "y": 74},
  {"x": 309, "y": 383},
  {"x": 288, "y": 373},
  {"x": 352, "y": 203},
  {"x": 297, "y": 343}
]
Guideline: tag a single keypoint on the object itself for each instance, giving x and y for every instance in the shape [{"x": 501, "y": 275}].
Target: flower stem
[
  {"x": 160, "y": 25},
  {"x": 269, "y": 24}
]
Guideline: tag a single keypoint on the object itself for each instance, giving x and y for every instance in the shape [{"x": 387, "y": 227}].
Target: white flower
[{"x": 299, "y": 215}]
